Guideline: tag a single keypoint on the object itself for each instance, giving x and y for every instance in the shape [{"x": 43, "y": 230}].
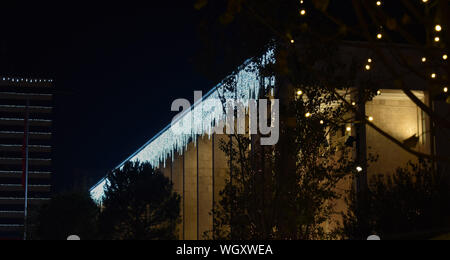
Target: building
[
  {"x": 20, "y": 97},
  {"x": 198, "y": 168}
]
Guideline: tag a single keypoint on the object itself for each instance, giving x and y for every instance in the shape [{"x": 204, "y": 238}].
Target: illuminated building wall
[
  {"x": 400, "y": 117},
  {"x": 199, "y": 170},
  {"x": 14, "y": 93}
]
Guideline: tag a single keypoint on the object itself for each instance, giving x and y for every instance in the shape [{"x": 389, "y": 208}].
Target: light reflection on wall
[{"x": 396, "y": 114}]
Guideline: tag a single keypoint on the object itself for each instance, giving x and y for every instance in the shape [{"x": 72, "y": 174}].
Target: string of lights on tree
[
  {"x": 435, "y": 38},
  {"x": 437, "y": 29}
]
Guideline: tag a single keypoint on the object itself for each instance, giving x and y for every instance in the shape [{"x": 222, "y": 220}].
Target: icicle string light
[{"x": 242, "y": 86}]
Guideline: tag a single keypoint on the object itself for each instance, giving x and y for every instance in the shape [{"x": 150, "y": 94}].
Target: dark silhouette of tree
[
  {"x": 139, "y": 204},
  {"x": 73, "y": 213},
  {"x": 414, "y": 203}
]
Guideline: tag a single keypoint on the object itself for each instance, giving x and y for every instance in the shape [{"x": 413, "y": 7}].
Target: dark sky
[{"x": 117, "y": 67}]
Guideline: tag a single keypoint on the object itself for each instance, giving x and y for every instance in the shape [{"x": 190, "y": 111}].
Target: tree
[
  {"x": 414, "y": 203},
  {"x": 67, "y": 214},
  {"x": 139, "y": 204},
  {"x": 266, "y": 199}
]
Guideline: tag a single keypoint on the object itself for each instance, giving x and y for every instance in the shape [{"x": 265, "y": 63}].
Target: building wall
[
  {"x": 205, "y": 185},
  {"x": 400, "y": 117},
  {"x": 198, "y": 180},
  {"x": 19, "y": 97}
]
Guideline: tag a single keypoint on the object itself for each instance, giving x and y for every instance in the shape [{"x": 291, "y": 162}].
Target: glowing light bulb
[
  {"x": 368, "y": 67},
  {"x": 322, "y": 122},
  {"x": 359, "y": 169},
  {"x": 299, "y": 93},
  {"x": 349, "y": 129},
  {"x": 438, "y": 28},
  {"x": 380, "y": 36},
  {"x": 307, "y": 115},
  {"x": 378, "y": 3},
  {"x": 369, "y": 60},
  {"x": 424, "y": 59},
  {"x": 370, "y": 118},
  {"x": 379, "y": 92},
  {"x": 446, "y": 90},
  {"x": 437, "y": 39},
  {"x": 445, "y": 57},
  {"x": 303, "y": 12},
  {"x": 433, "y": 76}
]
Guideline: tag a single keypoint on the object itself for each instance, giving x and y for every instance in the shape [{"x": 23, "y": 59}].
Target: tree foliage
[
  {"x": 265, "y": 198},
  {"x": 66, "y": 214},
  {"x": 139, "y": 204},
  {"x": 414, "y": 203}
]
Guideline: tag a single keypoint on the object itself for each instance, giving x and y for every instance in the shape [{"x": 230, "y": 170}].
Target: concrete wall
[
  {"x": 198, "y": 180},
  {"x": 400, "y": 117},
  {"x": 205, "y": 185},
  {"x": 177, "y": 175}
]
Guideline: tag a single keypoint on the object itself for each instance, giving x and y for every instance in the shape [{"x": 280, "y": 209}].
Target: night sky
[{"x": 117, "y": 70}]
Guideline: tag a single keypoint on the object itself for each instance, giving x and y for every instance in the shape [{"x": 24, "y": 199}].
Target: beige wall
[
  {"x": 212, "y": 172},
  {"x": 177, "y": 174},
  {"x": 400, "y": 117},
  {"x": 190, "y": 192},
  {"x": 205, "y": 185}
]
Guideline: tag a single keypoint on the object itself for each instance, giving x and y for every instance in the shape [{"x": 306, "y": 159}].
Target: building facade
[
  {"x": 199, "y": 169},
  {"x": 26, "y": 107}
]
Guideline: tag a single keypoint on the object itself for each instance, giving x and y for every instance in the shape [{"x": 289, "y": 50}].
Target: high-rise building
[{"x": 25, "y": 143}]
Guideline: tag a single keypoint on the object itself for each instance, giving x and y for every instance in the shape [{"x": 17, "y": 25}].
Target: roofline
[{"x": 214, "y": 89}]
